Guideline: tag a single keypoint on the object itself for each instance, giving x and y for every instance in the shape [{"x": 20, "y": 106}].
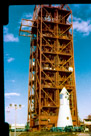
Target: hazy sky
[{"x": 16, "y": 60}]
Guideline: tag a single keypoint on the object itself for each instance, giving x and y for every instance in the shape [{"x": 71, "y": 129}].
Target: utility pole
[{"x": 15, "y": 107}]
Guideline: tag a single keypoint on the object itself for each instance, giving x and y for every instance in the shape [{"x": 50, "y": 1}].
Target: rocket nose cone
[{"x": 64, "y": 91}]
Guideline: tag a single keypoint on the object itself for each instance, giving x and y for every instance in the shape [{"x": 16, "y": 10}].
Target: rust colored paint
[{"x": 51, "y": 64}]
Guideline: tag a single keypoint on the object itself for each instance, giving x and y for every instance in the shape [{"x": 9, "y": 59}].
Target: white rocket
[{"x": 64, "y": 116}]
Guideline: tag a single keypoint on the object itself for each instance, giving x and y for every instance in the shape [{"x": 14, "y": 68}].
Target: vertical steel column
[
  {"x": 74, "y": 94},
  {"x": 30, "y": 86},
  {"x": 57, "y": 73},
  {"x": 40, "y": 69},
  {"x": 31, "y": 83},
  {"x": 36, "y": 70},
  {"x": 28, "y": 91}
]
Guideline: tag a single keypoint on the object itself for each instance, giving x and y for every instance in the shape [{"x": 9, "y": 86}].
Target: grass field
[{"x": 54, "y": 134}]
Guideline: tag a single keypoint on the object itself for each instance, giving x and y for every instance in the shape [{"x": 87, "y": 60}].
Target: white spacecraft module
[{"x": 64, "y": 116}]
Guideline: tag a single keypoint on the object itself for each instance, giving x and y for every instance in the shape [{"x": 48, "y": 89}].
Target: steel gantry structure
[{"x": 51, "y": 64}]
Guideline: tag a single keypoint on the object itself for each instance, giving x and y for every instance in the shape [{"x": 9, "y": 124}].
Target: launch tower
[{"x": 51, "y": 64}]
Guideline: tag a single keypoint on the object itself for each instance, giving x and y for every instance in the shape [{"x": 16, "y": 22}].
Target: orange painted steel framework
[{"x": 51, "y": 65}]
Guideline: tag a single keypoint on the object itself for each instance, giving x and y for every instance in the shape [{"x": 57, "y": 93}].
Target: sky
[{"x": 16, "y": 60}]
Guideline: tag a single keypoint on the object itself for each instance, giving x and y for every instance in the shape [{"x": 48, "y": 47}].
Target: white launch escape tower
[{"x": 64, "y": 116}]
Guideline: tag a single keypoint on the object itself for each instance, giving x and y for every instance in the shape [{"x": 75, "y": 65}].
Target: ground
[{"x": 50, "y": 134}]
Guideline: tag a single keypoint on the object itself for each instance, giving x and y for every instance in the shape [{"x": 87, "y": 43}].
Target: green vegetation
[
  {"x": 67, "y": 129},
  {"x": 27, "y": 127},
  {"x": 49, "y": 134}
]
